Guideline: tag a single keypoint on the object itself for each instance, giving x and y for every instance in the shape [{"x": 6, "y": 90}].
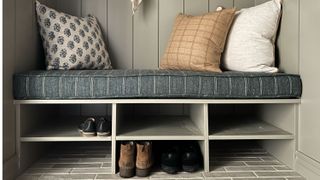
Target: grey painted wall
[
  {"x": 309, "y": 143},
  {"x": 139, "y": 41},
  {"x": 8, "y": 70}
]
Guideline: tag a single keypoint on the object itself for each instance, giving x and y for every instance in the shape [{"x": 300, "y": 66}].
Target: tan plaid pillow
[{"x": 197, "y": 42}]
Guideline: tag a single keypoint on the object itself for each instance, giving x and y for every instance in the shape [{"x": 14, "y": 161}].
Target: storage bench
[{"x": 159, "y": 105}]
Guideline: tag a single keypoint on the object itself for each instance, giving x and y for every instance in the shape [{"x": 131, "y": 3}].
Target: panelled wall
[
  {"x": 139, "y": 41},
  {"x": 133, "y": 41},
  {"x": 308, "y": 156},
  {"x": 8, "y": 70}
]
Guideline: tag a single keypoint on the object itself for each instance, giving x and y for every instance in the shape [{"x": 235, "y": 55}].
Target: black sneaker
[
  {"x": 191, "y": 158},
  {"x": 88, "y": 127},
  {"x": 103, "y": 127},
  {"x": 171, "y": 160}
]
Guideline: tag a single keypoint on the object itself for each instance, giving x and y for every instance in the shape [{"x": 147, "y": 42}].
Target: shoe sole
[
  {"x": 143, "y": 172},
  {"x": 103, "y": 133},
  {"x": 126, "y": 173},
  {"x": 88, "y": 134},
  {"x": 169, "y": 169},
  {"x": 190, "y": 168}
]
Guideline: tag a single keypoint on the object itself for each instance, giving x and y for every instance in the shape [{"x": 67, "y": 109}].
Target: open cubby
[
  {"x": 245, "y": 155},
  {"x": 230, "y": 122},
  {"x": 75, "y": 157},
  {"x": 160, "y": 122},
  {"x": 270, "y": 123},
  {"x": 159, "y": 146},
  {"x": 58, "y": 123}
]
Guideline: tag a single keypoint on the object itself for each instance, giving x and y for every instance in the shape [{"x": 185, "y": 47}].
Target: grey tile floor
[{"x": 94, "y": 163}]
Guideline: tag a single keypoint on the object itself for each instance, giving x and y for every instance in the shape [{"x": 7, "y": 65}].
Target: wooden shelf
[
  {"x": 245, "y": 129},
  {"x": 60, "y": 132},
  {"x": 159, "y": 128}
]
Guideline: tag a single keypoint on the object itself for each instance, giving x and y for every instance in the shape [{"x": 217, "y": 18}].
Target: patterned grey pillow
[{"x": 71, "y": 42}]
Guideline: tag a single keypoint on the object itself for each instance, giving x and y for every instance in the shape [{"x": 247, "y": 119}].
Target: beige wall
[
  {"x": 309, "y": 133},
  {"x": 139, "y": 41}
]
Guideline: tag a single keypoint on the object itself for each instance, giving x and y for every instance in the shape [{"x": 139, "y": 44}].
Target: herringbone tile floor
[{"x": 94, "y": 163}]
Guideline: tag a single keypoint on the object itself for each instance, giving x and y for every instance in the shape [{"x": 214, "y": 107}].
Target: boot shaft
[
  {"x": 127, "y": 155},
  {"x": 144, "y": 157}
]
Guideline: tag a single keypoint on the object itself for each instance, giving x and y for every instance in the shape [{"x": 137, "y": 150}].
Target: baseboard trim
[
  {"x": 10, "y": 168},
  {"x": 307, "y": 167}
]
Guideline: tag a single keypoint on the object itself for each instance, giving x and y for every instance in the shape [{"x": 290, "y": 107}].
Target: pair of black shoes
[
  {"x": 93, "y": 127},
  {"x": 188, "y": 157}
]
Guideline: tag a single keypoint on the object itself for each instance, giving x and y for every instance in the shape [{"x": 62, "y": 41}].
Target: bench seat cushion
[{"x": 111, "y": 84}]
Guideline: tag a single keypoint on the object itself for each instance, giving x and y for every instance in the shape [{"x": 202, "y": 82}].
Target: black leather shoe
[
  {"x": 171, "y": 160},
  {"x": 88, "y": 127},
  {"x": 103, "y": 127},
  {"x": 191, "y": 158}
]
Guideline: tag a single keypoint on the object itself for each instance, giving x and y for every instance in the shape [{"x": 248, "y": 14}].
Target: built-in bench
[{"x": 159, "y": 105}]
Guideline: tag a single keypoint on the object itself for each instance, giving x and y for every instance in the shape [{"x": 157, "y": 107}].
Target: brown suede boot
[
  {"x": 126, "y": 161},
  {"x": 144, "y": 159}
]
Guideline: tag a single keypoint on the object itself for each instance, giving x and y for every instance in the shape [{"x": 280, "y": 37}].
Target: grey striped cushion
[{"x": 98, "y": 84}]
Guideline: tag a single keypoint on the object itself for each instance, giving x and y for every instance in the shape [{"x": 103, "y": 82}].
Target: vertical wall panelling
[
  {"x": 239, "y": 4},
  {"x": 288, "y": 43},
  {"x": 145, "y": 48},
  {"x": 261, "y": 1},
  {"x": 72, "y": 7},
  {"x": 309, "y": 147},
  {"x": 99, "y": 9},
  {"x": 24, "y": 36},
  {"x": 168, "y": 10},
  {"x": 213, "y": 4},
  {"x": 8, "y": 71},
  {"x": 197, "y": 7},
  {"x": 49, "y": 3},
  {"x": 120, "y": 33}
]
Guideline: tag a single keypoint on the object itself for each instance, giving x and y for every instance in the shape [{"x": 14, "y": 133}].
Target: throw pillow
[
  {"x": 197, "y": 42},
  {"x": 71, "y": 42},
  {"x": 251, "y": 42}
]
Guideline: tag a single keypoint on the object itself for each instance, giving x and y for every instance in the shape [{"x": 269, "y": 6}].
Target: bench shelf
[
  {"x": 246, "y": 129},
  {"x": 159, "y": 128},
  {"x": 64, "y": 131},
  {"x": 193, "y": 120}
]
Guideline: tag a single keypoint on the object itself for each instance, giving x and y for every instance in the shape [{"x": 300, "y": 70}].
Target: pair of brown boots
[{"x": 135, "y": 156}]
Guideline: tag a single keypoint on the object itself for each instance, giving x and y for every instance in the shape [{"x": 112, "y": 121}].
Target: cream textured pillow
[
  {"x": 197, "y": 42},
  {"x": 71, "y": 42},
  {"x": 250, "y": 45}
]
